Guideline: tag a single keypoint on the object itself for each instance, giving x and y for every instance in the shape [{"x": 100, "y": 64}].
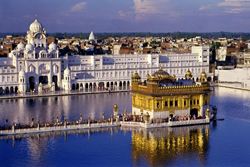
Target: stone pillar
[
  {"x": 88, "y": 121},
  {"x": 125, "y": 115},
  {"x": 65, "y": 123},
  {"x": 32, "y": 121},
  {"x": 40, "y": 88},
  {"x": 111, "y": 120},
  {"x": 50, "y": 76},
  {"x": 80, "y": 119},
  {"x": 147, "y": 118},
  {"x": 117, "y": 118},
  {"x": 53, "y": 87},
  {"x": 13, "y": 127},
  {"x": 38, "y": 126}
]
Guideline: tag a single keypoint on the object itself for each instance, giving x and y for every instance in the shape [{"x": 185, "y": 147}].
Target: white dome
[
  {"x": 22, "y": 73},
  {"x": 67, "y": 71},
  {"x": 52, "y": 46},
  {"x": 36, "y": 26},
  {"x": 29, "y": 47},
  {"x": 91, "y": 36},
  {"x": 20, "y": 46}
]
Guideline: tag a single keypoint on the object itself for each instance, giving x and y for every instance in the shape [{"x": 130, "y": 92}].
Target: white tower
[
  {"x": 91, "y": 36},
  {"x": 67, "y": 79},
  {"x": 36, "y": 35},
  {"x": 22, "y": 81}
]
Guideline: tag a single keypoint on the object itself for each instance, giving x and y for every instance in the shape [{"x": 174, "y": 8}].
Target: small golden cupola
[
  {"x": 188, "y": 74},
  {"x": 203, "y": 77},
  {"x": 208, "y": 113},
  {"x": 136, "y": 77}
]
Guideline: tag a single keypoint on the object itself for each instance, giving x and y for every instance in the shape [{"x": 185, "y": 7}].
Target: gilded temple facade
[
  {"x": 162, "y": 96},
  {"x": 160, "y": 147}
]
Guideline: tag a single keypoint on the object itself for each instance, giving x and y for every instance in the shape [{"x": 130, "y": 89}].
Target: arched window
[
  {"x": 32, "y": 68},
  {"x": 55, "y": 69}
]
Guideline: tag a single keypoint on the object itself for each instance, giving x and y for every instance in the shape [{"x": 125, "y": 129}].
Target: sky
[{"x": 126, "y": 15}]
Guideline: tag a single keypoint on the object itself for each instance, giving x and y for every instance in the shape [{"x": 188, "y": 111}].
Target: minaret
[
  {"x": 22, "y": 81},
  {"x": 67, "y": 79}
]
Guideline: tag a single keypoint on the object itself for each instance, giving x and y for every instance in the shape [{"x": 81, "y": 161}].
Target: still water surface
[{"x": 222, "y": 143}]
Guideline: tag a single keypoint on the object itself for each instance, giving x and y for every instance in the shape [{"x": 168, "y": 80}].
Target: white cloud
[
  {"x": 122, "y": 14},
  {"x": 205, "y": 7},
  {"x": 235, "y": 6},
  {"x": 78, "y": 7},
  {"x": 237, "y": 10},
  {"x": 234, "y": 3},
  {"x": 148, "y": 8}
]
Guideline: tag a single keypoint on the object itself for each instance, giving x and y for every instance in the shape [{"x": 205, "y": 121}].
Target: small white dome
[
  {"x": 67, "y": 71},
  {"x": 20, "y": 46},
  {"x": 52, "y": 46},
  {"x": 29, "y": 46},
  {"x": 22, "y": 73},
  {"x": 36, "y": 26},
  {"x": 91, "y": 36}
]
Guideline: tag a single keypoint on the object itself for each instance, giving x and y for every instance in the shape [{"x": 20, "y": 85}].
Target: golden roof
[
  {"x": 160, "y": 73},
  {"x": 136, "y": 76}
]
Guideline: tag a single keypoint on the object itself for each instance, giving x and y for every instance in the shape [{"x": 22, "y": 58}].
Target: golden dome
[
  {"x": 203, "y": 74},
  {"x": 115, "y": 106},
  {"x": 136, "y": 76},
  {"x": 160, "y": 72}
]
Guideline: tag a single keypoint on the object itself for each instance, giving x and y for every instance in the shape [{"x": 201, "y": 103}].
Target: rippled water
[{"x": 222, "y": 143}]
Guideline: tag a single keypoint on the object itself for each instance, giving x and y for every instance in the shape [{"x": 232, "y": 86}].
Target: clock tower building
[{"x": 37, "y": 35}]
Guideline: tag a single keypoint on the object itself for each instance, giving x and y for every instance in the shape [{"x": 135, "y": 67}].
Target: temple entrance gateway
[
  {"x": 43, "y": 79},
  {"x": 54, "y": 79},
  {"x": 16, "y": 89},
  {"x": 101, "y": 84},
  {"x": 193, "y": 112},
  {"x": 32, "y": 83}
]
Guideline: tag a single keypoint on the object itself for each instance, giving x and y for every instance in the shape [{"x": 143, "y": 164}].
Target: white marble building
[{"x": 28, "y": 66}]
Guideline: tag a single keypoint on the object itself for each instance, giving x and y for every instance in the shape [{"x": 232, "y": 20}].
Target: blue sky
[{"x": 126, "y": 15}]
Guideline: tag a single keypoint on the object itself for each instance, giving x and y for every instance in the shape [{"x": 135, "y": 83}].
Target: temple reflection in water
[{"x": 164, "y": 146}]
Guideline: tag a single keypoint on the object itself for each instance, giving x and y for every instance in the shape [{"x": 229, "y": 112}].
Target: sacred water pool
[{"x": 220, "y": 143}]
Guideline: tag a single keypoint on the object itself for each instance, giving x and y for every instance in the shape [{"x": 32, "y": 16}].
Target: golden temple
[{"x": 163, "y": 96}]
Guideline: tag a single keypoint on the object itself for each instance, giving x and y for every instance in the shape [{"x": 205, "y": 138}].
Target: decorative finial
[{"x": 36, "y": 16}]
